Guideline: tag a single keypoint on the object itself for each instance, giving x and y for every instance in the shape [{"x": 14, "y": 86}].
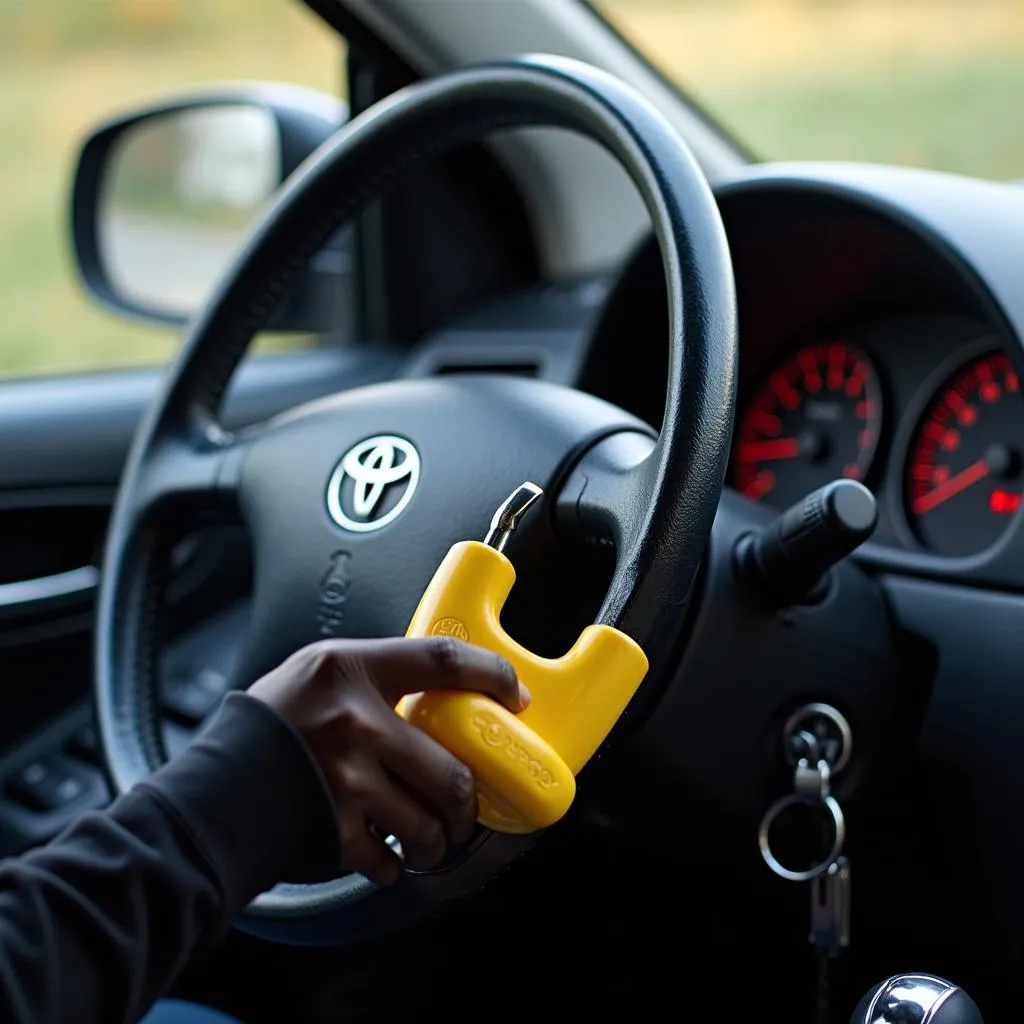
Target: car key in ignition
[{"x": 525, "y": 765}]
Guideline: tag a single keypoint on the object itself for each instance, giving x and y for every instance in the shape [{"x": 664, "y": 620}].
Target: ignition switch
[{"x": 818, "y": 732}]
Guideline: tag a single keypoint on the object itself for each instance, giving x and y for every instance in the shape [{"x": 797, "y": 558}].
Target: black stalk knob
[{"x": 787, "y": 560}]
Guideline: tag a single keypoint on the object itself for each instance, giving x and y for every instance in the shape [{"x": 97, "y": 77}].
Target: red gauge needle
[
  {"x": 954, "y": 485},
  {"x": 777, "y": 448}
]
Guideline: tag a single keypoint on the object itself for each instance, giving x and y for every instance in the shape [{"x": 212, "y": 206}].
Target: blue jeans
[{"x": 174, "y": 1011}]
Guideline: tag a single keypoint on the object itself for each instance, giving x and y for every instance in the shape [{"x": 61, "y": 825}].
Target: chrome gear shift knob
[{"x": 916, "y": 999}]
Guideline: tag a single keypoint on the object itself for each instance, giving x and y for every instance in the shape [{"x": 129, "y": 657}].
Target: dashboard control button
[
  {"x": 85, "y": 745},
  {"x": 47, "y": 785},
  {"x": 193, "y": 697}
]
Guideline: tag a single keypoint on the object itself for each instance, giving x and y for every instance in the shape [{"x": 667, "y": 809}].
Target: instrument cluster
[{"x": 927, "y": 412}]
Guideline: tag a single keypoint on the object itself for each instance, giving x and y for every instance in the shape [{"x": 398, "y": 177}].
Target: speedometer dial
[
  {"x": 963, "y": 475},
  {"x": 817, "y": 417}
]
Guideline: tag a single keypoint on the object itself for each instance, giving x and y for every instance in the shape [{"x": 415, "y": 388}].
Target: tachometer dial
[
  {"x": 817, "y": 417},
  {"x": 963, "y": 476}
]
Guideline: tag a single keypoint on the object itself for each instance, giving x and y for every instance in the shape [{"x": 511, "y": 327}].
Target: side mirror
[{"x": 164, "y": 195}]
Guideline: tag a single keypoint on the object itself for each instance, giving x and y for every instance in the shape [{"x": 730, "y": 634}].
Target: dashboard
[
  {"x": 868, "y": 350},
  {"x": 925, "y": 410}
]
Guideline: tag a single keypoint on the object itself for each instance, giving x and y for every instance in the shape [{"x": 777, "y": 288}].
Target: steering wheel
[{"x": 467, "y": 442}]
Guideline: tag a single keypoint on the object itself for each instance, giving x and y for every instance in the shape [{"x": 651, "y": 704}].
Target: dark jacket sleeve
[{"x": 97, "y": 924}]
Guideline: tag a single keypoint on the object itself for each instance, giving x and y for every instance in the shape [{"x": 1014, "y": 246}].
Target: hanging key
[
  {"x": 830, "y": 929},
  {"x": 830, "y": 909}
]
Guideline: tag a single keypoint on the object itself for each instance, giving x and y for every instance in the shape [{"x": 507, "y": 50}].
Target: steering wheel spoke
[
  {"x": 186, "y": 477},
  {"x": 604, "y": 500}
]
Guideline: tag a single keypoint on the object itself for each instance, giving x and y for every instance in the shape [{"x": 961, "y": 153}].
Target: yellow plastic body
[{"x": 525, "y": 765}]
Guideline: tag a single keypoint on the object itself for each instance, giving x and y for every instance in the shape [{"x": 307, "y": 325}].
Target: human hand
[{"x": 341, "y": 694}]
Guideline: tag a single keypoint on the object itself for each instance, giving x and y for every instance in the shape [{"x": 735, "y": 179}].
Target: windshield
[{"x": 930, "y": 83}]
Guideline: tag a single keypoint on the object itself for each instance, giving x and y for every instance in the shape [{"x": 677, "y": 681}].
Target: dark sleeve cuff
[{"x": 254, "y": 800}]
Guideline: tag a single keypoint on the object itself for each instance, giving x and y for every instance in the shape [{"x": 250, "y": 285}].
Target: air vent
[
  {"x": 41, "y": 541},
  {"x": 506, "y": 369}
]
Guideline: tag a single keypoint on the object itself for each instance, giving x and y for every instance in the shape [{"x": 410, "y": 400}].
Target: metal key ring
[{"x": 793, "y": 800}]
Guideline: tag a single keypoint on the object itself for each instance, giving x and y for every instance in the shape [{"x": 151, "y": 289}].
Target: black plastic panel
[
  {"x": 539, "y": 332},
  {"x": 972, "y": 727},
  {"x": 72, "y": 431}
]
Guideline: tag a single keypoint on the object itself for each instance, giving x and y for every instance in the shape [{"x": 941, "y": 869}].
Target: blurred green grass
[{"x": 928, "y": 82}]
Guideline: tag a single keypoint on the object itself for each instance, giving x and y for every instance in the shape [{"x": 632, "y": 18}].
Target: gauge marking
[
  {"x": 963, "y": 476},
  {"x": 950, "y": 485},
  {"x": 765, "y": 423},
  {"x": 812, "y": 375},
  {"x": 785, "y": 392},
  {"x": 816, "y": 417},
  {"x": 765, "y": 451}
]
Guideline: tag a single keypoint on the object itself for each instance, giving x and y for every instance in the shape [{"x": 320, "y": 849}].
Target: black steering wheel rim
[{"x": 660, "y": 527}]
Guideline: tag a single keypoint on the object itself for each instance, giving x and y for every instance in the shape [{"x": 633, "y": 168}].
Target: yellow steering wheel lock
[{"x": 525, "y": 765}]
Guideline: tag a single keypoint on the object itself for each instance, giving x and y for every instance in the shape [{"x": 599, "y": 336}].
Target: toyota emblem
[{"x": 379, "y": 467}]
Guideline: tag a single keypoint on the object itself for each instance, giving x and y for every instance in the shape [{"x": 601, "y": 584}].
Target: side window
[{"x": 65, "y": 66}]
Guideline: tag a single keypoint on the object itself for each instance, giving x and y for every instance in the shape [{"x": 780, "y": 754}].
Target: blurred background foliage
[
  {"x": 67, "y": 65},
  {"x": 923, "y": 82},
  {"x": 931, "y": 83}
]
